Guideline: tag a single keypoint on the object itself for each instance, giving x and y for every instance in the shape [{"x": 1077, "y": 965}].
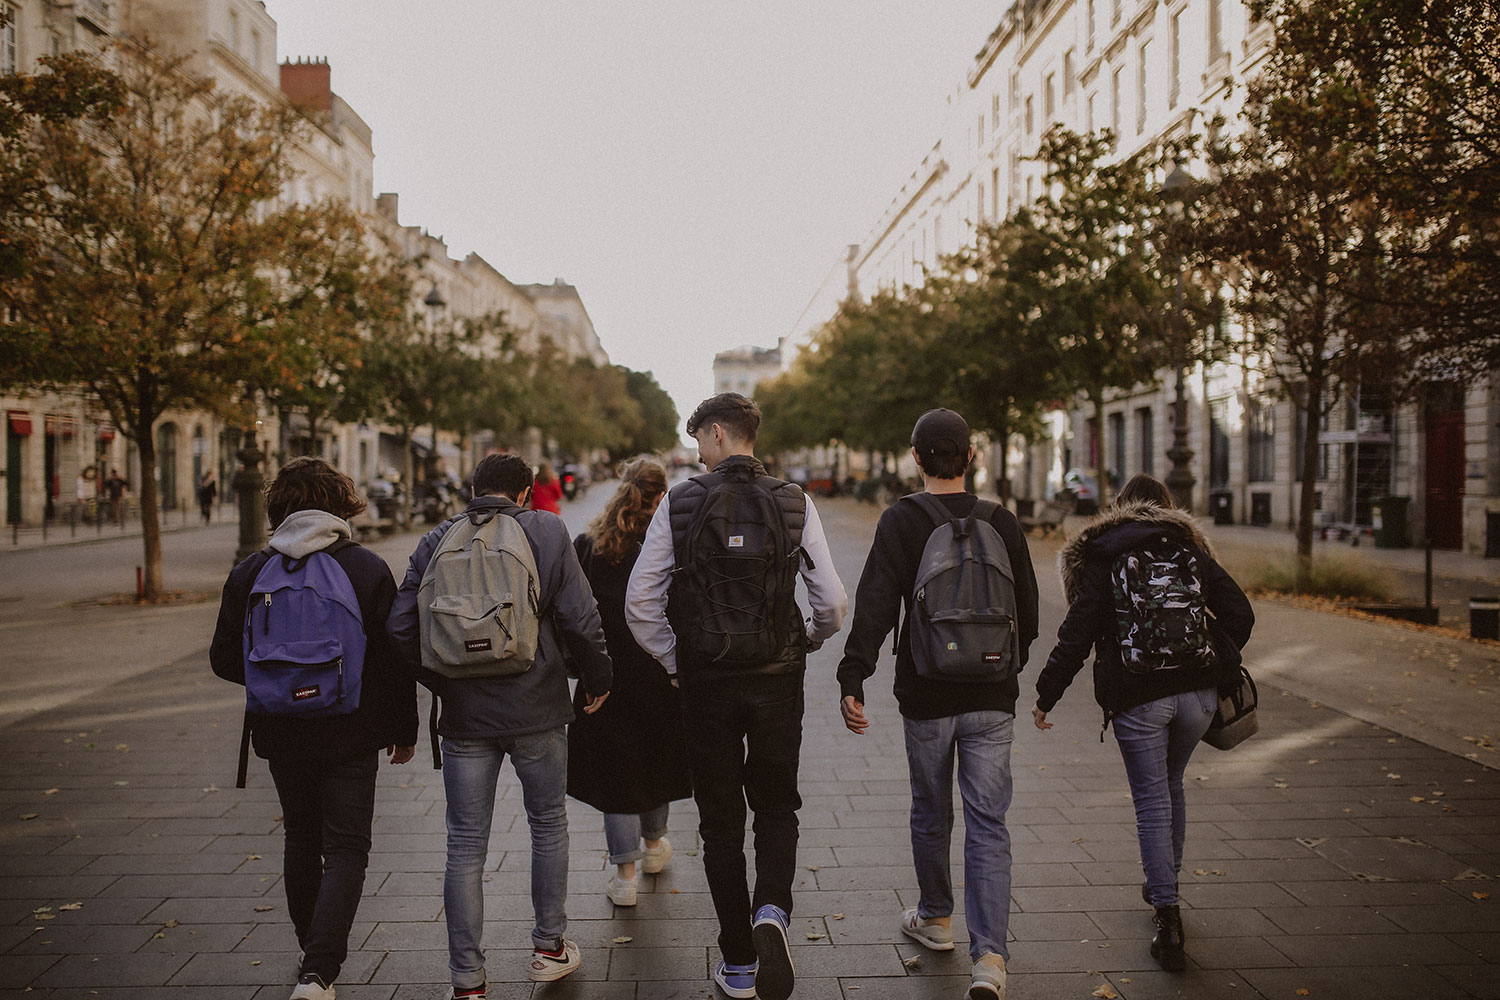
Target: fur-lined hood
[{"x": 1119, "y": 524}]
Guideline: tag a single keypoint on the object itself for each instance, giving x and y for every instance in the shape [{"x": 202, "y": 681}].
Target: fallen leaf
[
  {"x": 1392, "y": 774},
  {"x": 1105, "y": 992},
  {"x": 122, "y": 746},
  {"x": 1481, "y": 896},
  {"x": 621, "y": 940},
  {"x": 42, "y": 909},
  {"x": 813, "y": 868},
  {"x": 252, "y": 857},
  {"x": 30, "y": 815},
  {"x": 1417, "y": 798},
  {"x": 851, "y": 986},
  {"x": 837, "y": 916},
  {"x": 815, "y": 936},
  {"x": 175, "y": 922},
  {"x": 913, "y": 962},
  {"x": 1124, "y": 981},
  {"x": 45, "y": 916},
  {"x": 674, "y": 892},
  {"x": 52, "y": 791},
  {"x": 158, "y": 936},
  {"x": 1303, "y": 992},
  {"x": 211, "y": 788},
  {"x": 264, "y": 909},
  {"x": 255, "y": 962},
  {"x": 1200, "y": 871},
  {"x": 71, "y": 906}
]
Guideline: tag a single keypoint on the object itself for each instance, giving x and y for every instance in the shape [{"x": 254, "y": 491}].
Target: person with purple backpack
[{"x": 302, "y": 626}]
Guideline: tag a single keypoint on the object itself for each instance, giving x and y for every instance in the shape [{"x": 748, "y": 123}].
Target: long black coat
[{"x": 628, "y": 757}]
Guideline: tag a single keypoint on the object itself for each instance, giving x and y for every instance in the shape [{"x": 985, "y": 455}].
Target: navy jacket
[{"x": 538, "y": 699}]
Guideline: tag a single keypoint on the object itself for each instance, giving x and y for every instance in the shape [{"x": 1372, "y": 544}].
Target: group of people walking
[{"x": 676, "y": 611}]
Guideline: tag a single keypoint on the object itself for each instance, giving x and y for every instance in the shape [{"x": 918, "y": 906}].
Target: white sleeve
[
  {"x": 646, "y": 594},
  {"x": 825, "y": 591}
]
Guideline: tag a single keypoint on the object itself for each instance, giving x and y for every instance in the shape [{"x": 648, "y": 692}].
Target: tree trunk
[
  {"x": 1002, "y": 470},
  {"x": 1313, "y": 402},
  {"x": 407, "y": 470},
  {"x": 150, "y": 507}
]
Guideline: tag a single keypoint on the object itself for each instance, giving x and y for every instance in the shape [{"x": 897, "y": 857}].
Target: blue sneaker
[
  {"x": 736, "y": 980},
  {"x": 776, "y": 977}
]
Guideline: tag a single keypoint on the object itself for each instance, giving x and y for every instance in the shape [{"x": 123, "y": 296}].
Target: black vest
[{"x": 685, "y": 501}]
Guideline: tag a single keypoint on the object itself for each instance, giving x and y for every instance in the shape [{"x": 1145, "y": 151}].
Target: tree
[
  {"x": 656, "y": 431},
  {"x": 161, "y": 275},
  {"x": 1084, "y": 269},
  {"x": 1296, "y": 236}
]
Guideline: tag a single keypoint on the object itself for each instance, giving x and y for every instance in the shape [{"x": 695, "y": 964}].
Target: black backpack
[
  {"x": 1161, "y": 615},
  {"x": 963, "y": 610},
  {"x": 733, "y": 597}
]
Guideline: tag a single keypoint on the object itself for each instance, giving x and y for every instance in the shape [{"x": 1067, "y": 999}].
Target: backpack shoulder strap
[{"x": 933, "y": 507}]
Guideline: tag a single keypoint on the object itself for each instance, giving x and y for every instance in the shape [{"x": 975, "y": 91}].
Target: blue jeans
[
  {"x": 623, "y": 832},
  {"x": 981, "y": 742},
  {"x": 1156, "y": 740},
  {"x": 470, "y": 770}
]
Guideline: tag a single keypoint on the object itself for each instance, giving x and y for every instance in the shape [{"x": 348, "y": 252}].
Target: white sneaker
[
  {"x": 547, "y": 966},
  {"x": 934, "y": 936},
  {"x": 654, "y": 859},
  {"x": 621, "y": 891},
  {"x": 310, "y": 987},
  {"x": 987, "y": 981}
]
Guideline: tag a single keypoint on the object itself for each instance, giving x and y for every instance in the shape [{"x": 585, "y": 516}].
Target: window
[
  {"x": 10, "y": 56},
  {"x": 1030, "y": 114},
  {"x": 1140, "y": 86},
  {"x": 1090, "y": 122},
  {"x": 995, "y": 193},
  {"x": 1114, "y": 11},
  {"x": 1261, "y": 459},
  {"x": 1218, "y": 444},
  {"x": 255, "y": 49},
  {"x": 1069, "y": 83},
  {"x": 234, "y": 30},
  {"x": 1090, "y": 18},
  {"x": 1014, "y": 97},
  {"x": 1015, "y": 177},
  {"x": 995, "y": 111},
  {"x": 980, "y": 200},
  {"x": 1145, "y": 439},
  {"x": 1299, "y": 449},
  {"x": 980, "y": 131},
  {"x": 1114, "y": 100},
  {"x": 1116, "y": 467},
  {"x": 1174, "y": 58},
  {"x": 1051, "y": 97}
]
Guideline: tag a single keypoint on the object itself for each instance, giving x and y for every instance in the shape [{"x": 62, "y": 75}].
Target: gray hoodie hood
[{"x": 308, "y": 531}]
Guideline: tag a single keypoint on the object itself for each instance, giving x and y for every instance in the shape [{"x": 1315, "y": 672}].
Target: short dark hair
[
  {"x": 737, "y": 414},
  {"x": 506, "y": 473},
  {"x": 1145, "y": 489},
  {"x": 309, "y": 483},
  {"x": 945, "y": 465}
]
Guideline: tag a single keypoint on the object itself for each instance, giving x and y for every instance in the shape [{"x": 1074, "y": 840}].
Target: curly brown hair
[
  {"x": 309, "y": 483},
  {"x": 628, "y": 513}
]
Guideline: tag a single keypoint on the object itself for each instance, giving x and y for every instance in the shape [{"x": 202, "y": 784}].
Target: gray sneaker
[
  {"x": 934, "y": 936},
  {"x": 987, "y": 981}
]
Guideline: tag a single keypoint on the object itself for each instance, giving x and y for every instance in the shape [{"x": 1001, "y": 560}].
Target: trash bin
[
  {"x": 1484, "y": 617},
  {"x": 1388, "y": 517},
  {"x": 1223, "y": 505}
]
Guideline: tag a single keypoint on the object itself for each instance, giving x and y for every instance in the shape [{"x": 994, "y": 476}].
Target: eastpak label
[
  {"x": 304, "y": 693},
  {"x": 477, "y": 645},
  {"x": 993, "y": 657}
]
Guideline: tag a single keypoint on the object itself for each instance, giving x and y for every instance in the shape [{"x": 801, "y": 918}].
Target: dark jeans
[
  {"x": 743, "y": 741},
  {"x": 326, "y": 811}
]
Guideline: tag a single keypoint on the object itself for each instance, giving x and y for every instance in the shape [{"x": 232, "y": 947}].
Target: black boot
[{"x": 1166, "y": 946}]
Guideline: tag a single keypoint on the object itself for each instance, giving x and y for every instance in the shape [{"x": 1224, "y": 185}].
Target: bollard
[
  {"x": 1484, "y": 617},
  {"x": 140, "y": 585}
]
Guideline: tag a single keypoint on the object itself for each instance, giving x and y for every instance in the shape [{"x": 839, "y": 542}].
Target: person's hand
[
  {"x": 813, "y": 647},
  {"x": 674, "y": 681},
  {"x": 595, "y": 704},
  {"x": 1040, "y": 718},
  {"x": 853, "y": 711},
  {"x": 400, "y": 755}
]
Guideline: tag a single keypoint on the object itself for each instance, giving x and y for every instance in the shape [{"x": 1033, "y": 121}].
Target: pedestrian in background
[
  {"x": 547, "y": 492},
  {"x": 948, "y": 717},
  {"x": 115, "y": 488},
  {"x": 713, "y": 599},
  {"x": 1166, "y": 625},
  {"x": 627, "y": 760},
  {"x": 208, "y": 492},
  {"x": 523, "y": 716},
  {"x": 324, "y": 766}
]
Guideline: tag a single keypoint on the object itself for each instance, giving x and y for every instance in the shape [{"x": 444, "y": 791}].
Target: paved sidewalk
[{"x": 1328, "y": 855}]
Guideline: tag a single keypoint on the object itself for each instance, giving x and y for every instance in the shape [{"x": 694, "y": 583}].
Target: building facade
[
  {"x": 58, "y": 446},
  {"x": 1150, "y": 70}
]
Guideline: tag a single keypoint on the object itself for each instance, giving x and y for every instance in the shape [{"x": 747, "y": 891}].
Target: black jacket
[
  {"x": 885, "y": 588},
  {"x": 1085, "y": 563},
  {"x": 387, "y": 713}
]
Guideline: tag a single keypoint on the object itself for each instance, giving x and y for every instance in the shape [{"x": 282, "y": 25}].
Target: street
[{"x": 1349, "y": 850}]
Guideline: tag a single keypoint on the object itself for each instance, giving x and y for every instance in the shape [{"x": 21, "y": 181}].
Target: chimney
[
  {"x": 385, "y": 204},
  {"x": 307, "y": 83}
]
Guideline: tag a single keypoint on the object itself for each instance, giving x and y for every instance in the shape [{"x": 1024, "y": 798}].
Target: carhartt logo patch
[
  {"x": 304, "y": 693},
  {"x": 736, "y": 541},
  {"x": 478, "y": 645}
]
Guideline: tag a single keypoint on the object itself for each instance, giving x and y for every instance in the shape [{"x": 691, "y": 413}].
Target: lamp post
[{"x": 1177, "y": 190}]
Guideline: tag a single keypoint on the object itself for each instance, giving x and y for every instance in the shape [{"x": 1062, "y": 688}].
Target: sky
[{"x": 694, "y": 167}]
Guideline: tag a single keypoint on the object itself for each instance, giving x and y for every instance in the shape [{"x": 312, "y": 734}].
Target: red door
[{"x": 1445, "y": 478}]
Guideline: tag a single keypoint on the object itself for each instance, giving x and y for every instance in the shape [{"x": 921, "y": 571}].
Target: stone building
[
  {"x": 1151, "y": 69},
  {"x": 743, "y": 368}
]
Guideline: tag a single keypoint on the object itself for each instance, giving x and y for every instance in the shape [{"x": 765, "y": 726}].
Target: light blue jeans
[
  {"x": 470, "y": 770},
  {"x": 981, "y": 743},
  {"x": 623, "y": 832},
  {"x": 1156, "y": 740}
]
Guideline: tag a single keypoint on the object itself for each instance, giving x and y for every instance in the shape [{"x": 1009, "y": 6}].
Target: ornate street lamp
[{"x": 1177, "y": 190}]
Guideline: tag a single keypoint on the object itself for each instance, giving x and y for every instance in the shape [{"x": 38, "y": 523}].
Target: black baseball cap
[{"x": 940, "y": 432}]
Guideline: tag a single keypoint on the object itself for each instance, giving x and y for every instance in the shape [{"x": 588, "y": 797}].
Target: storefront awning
[{"x": 20, "y": 422}]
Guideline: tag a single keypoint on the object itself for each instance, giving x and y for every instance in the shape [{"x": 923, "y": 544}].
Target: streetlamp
[{"x": 1177, "y": 191}]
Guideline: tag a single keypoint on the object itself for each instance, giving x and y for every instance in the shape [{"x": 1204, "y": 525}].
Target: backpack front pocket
[
  {"x": 298, "y": 678},
  {"x": 476, "y": 636}
]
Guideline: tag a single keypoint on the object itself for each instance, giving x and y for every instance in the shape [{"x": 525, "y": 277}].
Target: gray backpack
[
  {"x": 479, "y": 601},
  {"x": 963, "y": 612}
]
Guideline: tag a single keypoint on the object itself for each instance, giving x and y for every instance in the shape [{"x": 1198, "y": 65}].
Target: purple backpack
[{"x": 304, "y": 638}]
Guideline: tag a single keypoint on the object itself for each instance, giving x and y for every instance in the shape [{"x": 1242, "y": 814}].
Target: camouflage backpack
[{"x": 1160, "y": 613}]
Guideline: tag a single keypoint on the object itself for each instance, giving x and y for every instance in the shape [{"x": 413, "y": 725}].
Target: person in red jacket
[{"x": 546, "y": 492}]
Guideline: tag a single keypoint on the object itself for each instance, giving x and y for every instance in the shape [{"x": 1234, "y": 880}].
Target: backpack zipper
[
  {"x": 265, "y": 624},
  {"x": 340, "y": 699}
]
